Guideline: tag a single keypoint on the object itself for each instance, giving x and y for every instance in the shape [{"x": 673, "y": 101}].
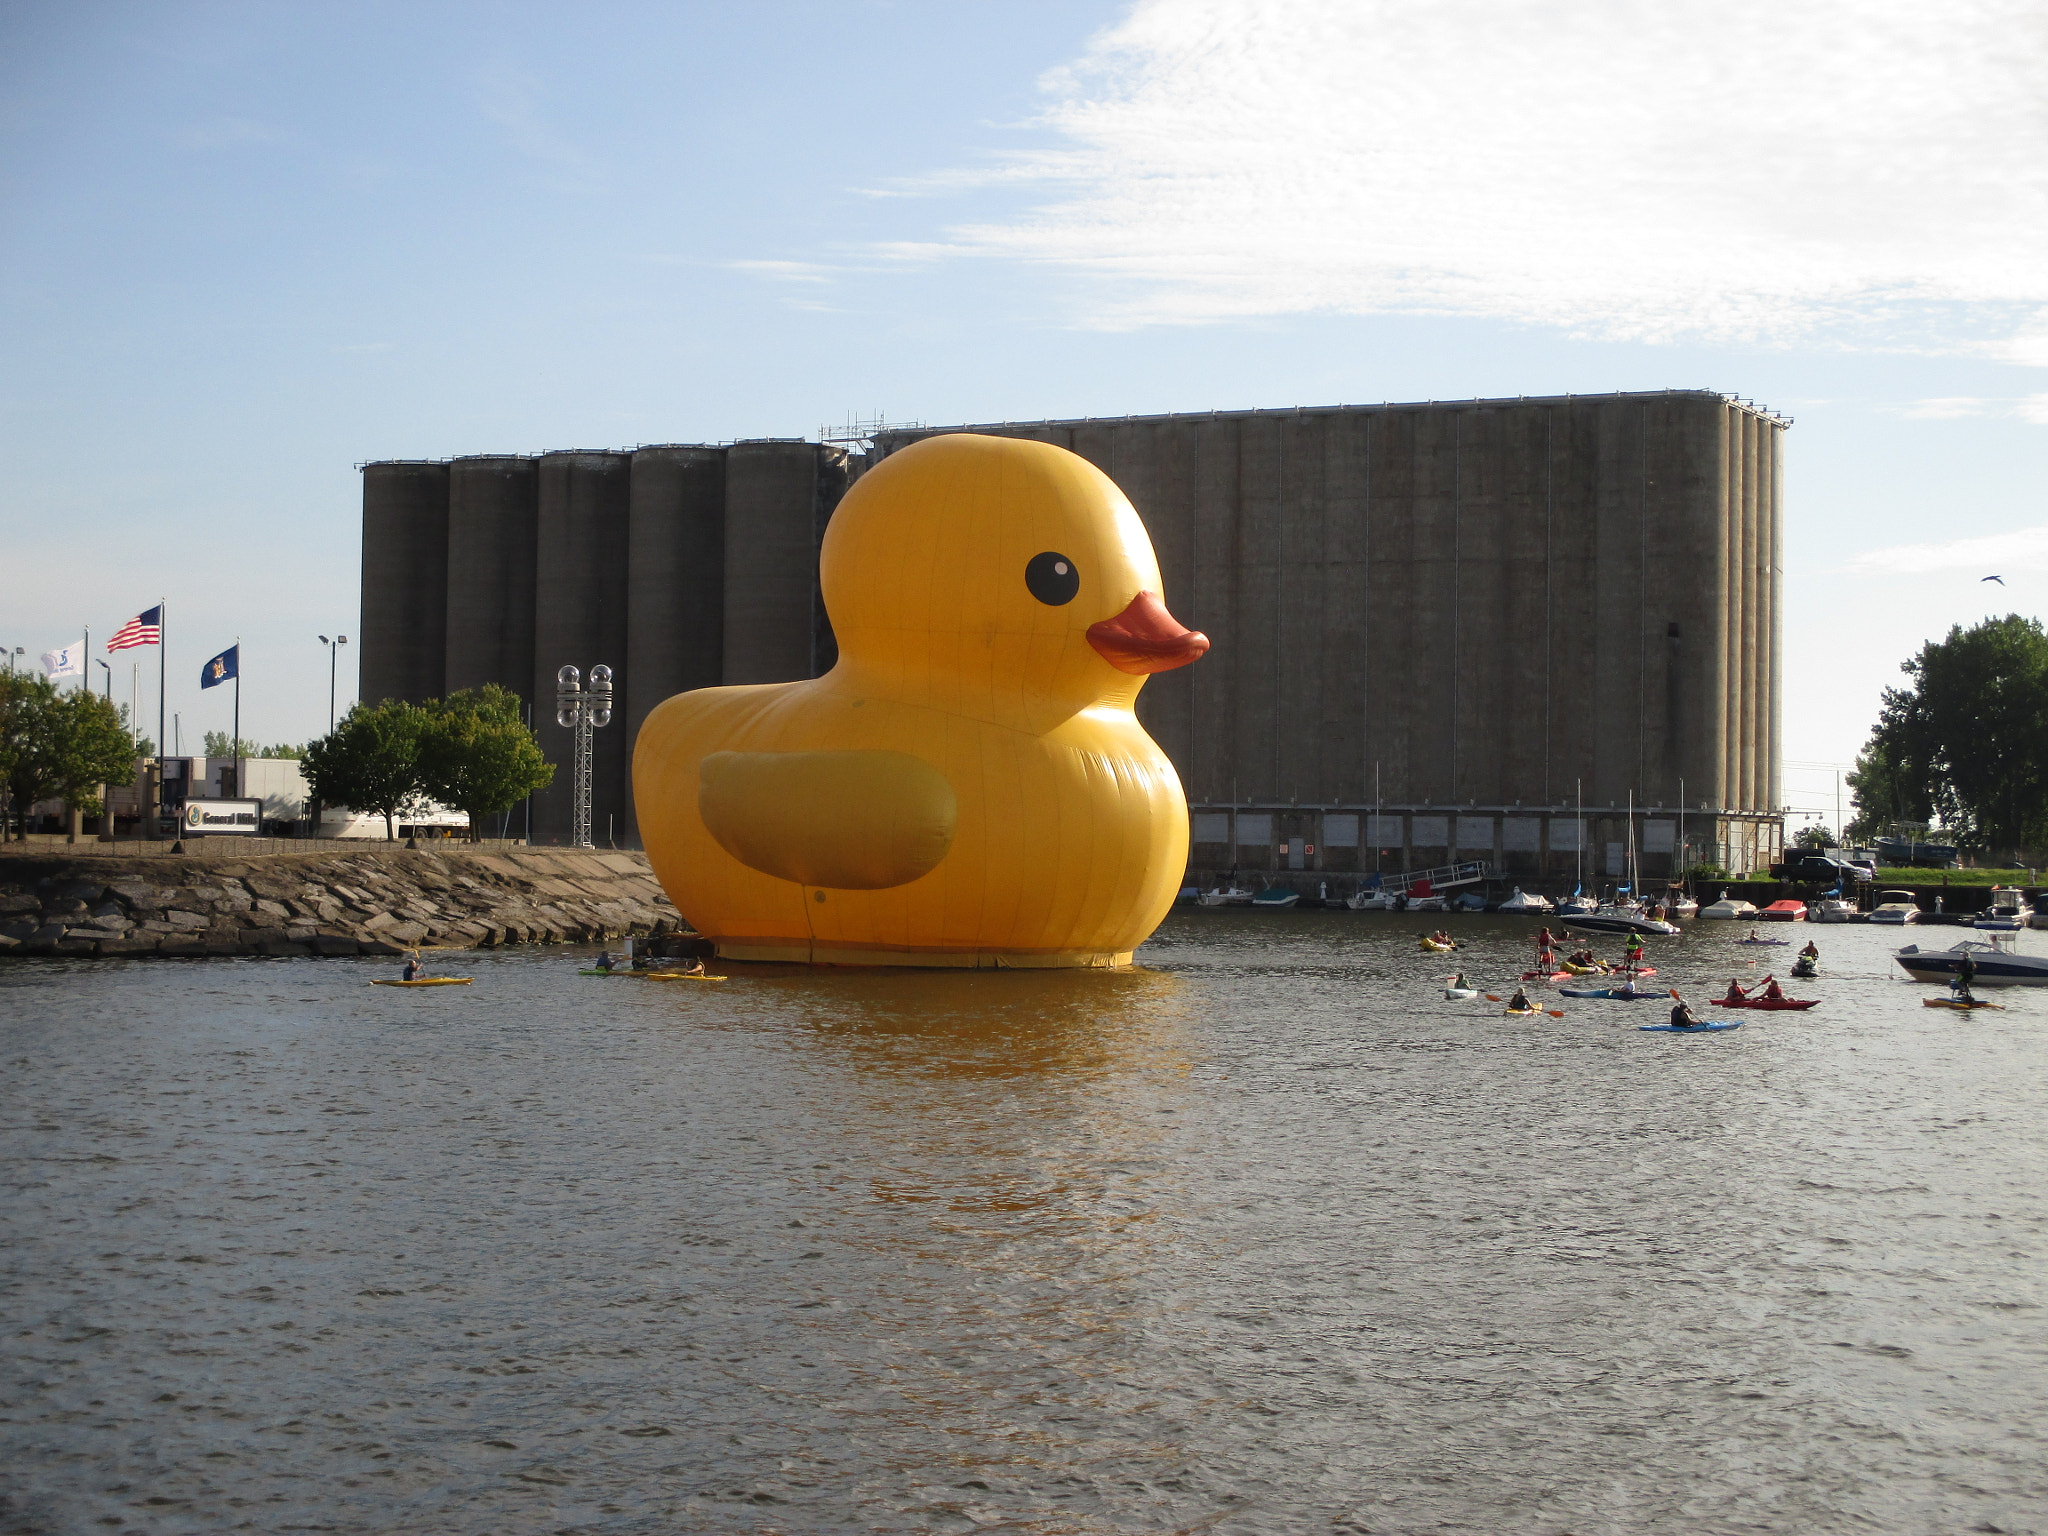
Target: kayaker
[
  {"x": 413, "y": 969},
  {"x": 1520, "y": 1003},
  {"x": 1773, "y": 993},
  {"x": 605, "y": 961},
  {"x": 1460, "y": 984},
  {"x": 1754, "y": 937},
  {"x": 1682, "y": 1016},
  {"x": 695, "y": 967},
  {"x": 1736, "y": 991},
  {"x": 1627, "y": 990}
]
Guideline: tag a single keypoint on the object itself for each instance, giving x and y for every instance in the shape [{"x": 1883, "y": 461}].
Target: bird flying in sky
[{"x": 1999, "y": 579}]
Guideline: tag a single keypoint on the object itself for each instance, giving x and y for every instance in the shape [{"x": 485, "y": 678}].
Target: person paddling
[
  {"x": 1773, "y": 993},
  {"x": 1520, "y": 1003},
  {"x": 1682, "y": 1016},
  {"x": 1736, "y": 991},
  {"x": 605, "y": 961},
  {"x": 413, "y": 969}
]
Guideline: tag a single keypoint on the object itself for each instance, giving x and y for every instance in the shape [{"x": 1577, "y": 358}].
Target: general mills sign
[{"x": 211, "y": 818}]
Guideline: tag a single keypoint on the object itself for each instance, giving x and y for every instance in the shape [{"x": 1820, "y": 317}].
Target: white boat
[
  {"x": 1232, "y": 896},
  {"x": 1522, "y": 902},
  {"x": 1426, "y": 904},
  {"x": 1834, "y": 909},
  {"x": 1373, "y": 901},
  {"x": 1460, "y": 994},
  {"x": 2007, "y": 912},
  {"x": 1620, "y": 918},
  {"x": 1731, "y": 908},
  {"x": 1577, "y": 903},
  {"x": 1275, "y": 898},
  {"x": 1998, "y": 962},
  {"x": 1895, "y": 907},
  {"x": 1681, "y": 905}
]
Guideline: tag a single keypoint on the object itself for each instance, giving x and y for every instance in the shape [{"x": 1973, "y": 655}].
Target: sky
[{"x": 245, "y": 247}]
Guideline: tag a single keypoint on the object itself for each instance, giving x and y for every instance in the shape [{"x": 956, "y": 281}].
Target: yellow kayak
[
  {"x": 679, "y": 976},
  {"x": 428, "y": 981},
  {"x": 1432, "y": 945}
]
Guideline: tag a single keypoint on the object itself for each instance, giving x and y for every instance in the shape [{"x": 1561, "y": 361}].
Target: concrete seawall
[{"x": 378, "y": 900}]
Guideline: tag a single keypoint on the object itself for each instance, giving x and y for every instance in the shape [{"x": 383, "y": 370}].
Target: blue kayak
[
  {"x": 1614, "y": 994},
  {"x": 1691, "y": 1029}
]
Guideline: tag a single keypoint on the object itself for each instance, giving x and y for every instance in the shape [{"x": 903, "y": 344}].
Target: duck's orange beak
[{"x": 1146, "y": 638}]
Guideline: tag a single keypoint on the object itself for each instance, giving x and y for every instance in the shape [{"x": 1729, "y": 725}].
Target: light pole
[
  {"x": 581, "y": 710},
  {"x": 333, "y": 650},
  {"x": 110, "y": 677},
  {"x": 10, "y": 655}
]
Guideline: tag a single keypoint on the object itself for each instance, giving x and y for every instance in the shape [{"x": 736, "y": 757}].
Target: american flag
[{"x": 144, "y": 629}]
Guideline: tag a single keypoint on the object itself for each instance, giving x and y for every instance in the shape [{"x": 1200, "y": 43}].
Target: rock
[
  {"x": 405, "y": 933},
  {"x": 277, "y": 944},
  {"x": 132, "y": 944},
  {"x": 333, "y": 944},
  {"x": 8, "y": 942},
  {"x": 379, "y": 947},
  {"x": 182, "y": 947},
  {"x": 19, "y": 903},
  {"x": 224, "y": 944},
  {"x": 276, "y": 909},
  {"x": 61, "y": 907}
]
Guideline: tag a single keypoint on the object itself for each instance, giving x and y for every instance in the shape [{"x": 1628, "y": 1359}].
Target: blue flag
[{"x": 228, "y": 664}]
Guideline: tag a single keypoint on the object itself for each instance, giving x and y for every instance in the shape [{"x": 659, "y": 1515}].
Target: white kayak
[{"x": 1460, "y": 994}]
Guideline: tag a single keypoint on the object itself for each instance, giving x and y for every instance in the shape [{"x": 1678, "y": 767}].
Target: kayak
[
  {"x": 1791, "y": 1003},
  {"x": 1584, "y": 970},
  {"x": 1460, "y": 994},
  {"x": 621, "y": 971},
  {"x": 1546, "y": 976},
  {"x": 1690, "y": 1029},
  {"x": 1779, "y": 942},
  {"x": 1613, "y": 994},
  {"x": 1950, "y": 1002},
  {"x": 1634, "y": 970},
  {"x": 1432, "y": 945},
  {"x": 428, "y": 981},
  {"x": 681, "y": 976},
  {"x": 1520, "y": 1013}
]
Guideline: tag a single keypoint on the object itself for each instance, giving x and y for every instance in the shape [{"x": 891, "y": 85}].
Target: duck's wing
[{"x": 850, "y": 821}]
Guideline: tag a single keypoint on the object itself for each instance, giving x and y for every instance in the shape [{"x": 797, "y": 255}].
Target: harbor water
[{"x": 1263, "y": 1236}]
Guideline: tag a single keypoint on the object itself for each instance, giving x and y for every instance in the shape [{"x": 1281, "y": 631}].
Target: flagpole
[
  {"x": 85, "y": 664},
  {"x": 163, "y": 646},
  {"x": 238, "y": 717}
]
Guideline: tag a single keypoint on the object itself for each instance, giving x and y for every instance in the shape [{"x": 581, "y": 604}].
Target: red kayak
[
  {"x": 1765, "y": 1002},
  {"x": 1546, "y": 975}
]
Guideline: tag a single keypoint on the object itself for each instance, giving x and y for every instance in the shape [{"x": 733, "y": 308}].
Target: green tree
[
  {"x": 1966, "y": 742},
  {"x": 478, "y": 754},
  {"x": 145, "y": 746},
  {"x": 1815, "y": 837},
  {"x": 219, "y": 744},
  {"x": 371, "y": 762},
  {"x": 59, "y": 745}
]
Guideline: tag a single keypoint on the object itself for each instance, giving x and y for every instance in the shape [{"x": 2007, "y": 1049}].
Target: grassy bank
[{"x": 1958, "y": 877}]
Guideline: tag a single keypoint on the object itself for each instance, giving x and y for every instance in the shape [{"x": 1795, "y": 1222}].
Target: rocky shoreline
[{"x": 380, "y": 899}]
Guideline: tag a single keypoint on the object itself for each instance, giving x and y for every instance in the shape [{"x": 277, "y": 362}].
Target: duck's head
[{"x": 999, "y": 578}]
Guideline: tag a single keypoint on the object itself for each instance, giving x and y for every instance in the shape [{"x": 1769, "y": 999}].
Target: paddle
[{"x": 1553, "y": 1012}]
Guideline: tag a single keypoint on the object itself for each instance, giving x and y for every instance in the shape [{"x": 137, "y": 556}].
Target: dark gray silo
[
  {"x": 675, "y": 585},
  {"x": 779, "y": 494},
  {"x": 405, "y": 580},
  {"x": 493, "y": 512},
  {"x": 579, "y": 610}
]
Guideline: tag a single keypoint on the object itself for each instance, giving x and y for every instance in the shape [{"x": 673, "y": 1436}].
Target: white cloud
[
  {"x": 784, "y": 271},
  {"x": 1871, "y": 168},
  {"x": 2023, "y": 549}
]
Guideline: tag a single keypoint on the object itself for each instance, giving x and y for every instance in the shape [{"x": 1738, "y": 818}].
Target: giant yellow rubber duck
[{"x": 968, "y": 786}]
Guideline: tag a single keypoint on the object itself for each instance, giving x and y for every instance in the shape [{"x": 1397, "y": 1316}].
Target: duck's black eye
[{"x": 1052, "y": 578}]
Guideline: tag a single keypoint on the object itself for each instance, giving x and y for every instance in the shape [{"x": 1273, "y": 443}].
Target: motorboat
[
  {"x": 2040, "y": 916},
  {"x": 1578, "y": 901},
  {"x": 1275, "y": 898},
  {"x": 1225, "y": 896},
  {"x": 1681, "y": 905},
  {"x": 1834, "y": 909},
  {"x": 1895, "y": 907},
  {"x": 1907, "y": 850},
  {"x": 1468, "y": 901},
  {"x": 1619, "y": 918},
  {"x": 1786, "y": 911},
  {"x": 1733, "y": 908},
  {"x": 1374, "y": 901},
  {"x": 1523, "y": 902},
  {"x": 2007, "y": 912},
  {"x": 1998, "y": 962},
  {"x": 1428, "y": 904}
]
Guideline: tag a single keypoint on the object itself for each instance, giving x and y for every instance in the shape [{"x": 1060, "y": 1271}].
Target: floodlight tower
[{"x": 582, "y": 710}]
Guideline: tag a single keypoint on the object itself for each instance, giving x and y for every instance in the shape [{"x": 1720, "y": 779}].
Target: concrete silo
[
  {"x": 493, "y": 513},
  {"x": 582, "y": 527},
  {"x": 779, "y": 494},
  {"x": 675, "y": 583},
  {"x": 403, "y": 630}
]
